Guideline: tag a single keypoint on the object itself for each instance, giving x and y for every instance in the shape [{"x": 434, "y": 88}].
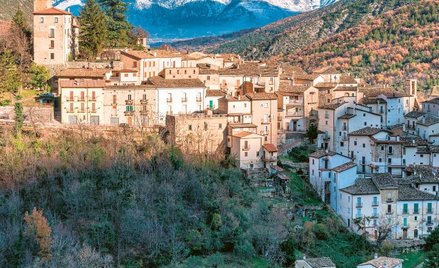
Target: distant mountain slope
[
  {"x": 388, "y": 48},
  {"x": 9, "y": 7},
  {"x": 285, "y": 36},
  {"x": 181, "y": 19}
]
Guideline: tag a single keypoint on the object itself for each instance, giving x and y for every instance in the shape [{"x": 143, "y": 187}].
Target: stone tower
[{"x": 42, "y": 5}]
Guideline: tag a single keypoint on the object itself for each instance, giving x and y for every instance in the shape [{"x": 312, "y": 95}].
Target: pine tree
[
  {"x": 119, "y": 28},
  {"x": 94, "y": 29}
]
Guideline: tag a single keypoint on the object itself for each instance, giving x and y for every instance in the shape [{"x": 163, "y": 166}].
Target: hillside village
[{"x": 377, "y": 159}]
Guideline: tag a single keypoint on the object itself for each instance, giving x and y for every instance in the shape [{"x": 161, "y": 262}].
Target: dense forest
[
  {"x": 73, "y": 199},
  {"x": 400, "y": 43}
]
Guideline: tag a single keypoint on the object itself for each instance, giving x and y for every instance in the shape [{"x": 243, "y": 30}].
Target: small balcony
[
  {"x": 70, "y": 99},
  {"x": 358, "y": 216},
  {"x": 144, "y": 112},
  {"x": 375, "y": 215},
  {"x": 265, "y": 121},
  {"x": 359, "y": 205},
  {"x": 168, "y": 100},
  {"x": 246, "y": 148},
  {"x": 429, "y": 211},
  {"x": 389, "y": 200},
  {"x": 405, "y": 212},
  {"x": 405, "y": 226},
  {"x": 389, "y": 213},
  {"x": 198, "y": 99},
  {"x": 375, "y": 204},
  {"x": 143, "y": 101},
  {"x": 429, "y": 223},
  {"x": 81, "y": 99},
  {"x": 129, "y": 102},
  {"x": 184, "y": 99},
  {"x": 269, "y": 158},
  {"x": 415, "y": 211},
  {"x": 129, "y": 113}
]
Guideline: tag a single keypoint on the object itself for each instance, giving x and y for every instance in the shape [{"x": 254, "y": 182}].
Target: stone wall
[{"x": 41, "y": 114}]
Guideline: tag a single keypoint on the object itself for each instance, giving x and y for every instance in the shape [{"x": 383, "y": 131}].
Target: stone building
[
  {"x": 55, "y": 34},
  {"x": 198, "y": 133}
]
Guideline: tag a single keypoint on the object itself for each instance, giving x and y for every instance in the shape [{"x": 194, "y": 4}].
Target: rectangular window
[
  {"x": 52, "y": 44},
  {"x": 405, "y": 208},
  {"x": 51, "y": 33},
  {"x": 415, "y": 208},
  {"x": 429, "y": 208},
  {"x": 52, "y": 56},
  {"x": 71, "y": 96},
  {"x": 41, "y": 19},
  {"x": 93, "y": 107},
  {"x": 404, "y": 222},
  {"x": 56, "y": 19},
  {"x": 114, "y": 99},
  {"x": 93, "y": 96}
]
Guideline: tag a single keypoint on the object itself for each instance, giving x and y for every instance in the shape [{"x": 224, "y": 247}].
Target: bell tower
[{"x": 42, "y": 5}]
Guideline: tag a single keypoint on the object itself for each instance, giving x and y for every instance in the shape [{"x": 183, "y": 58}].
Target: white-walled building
[{"x": 329, "y": 172}]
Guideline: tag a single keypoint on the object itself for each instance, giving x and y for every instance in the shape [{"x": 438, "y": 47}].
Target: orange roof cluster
[
  {"x": 159, "y": 53},
  {"x": 161, "y": 82}
]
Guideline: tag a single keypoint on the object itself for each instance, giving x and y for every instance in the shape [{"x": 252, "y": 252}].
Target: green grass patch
[{"x": 412, "y": 259}]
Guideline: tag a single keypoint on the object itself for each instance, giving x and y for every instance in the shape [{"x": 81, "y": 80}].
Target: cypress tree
[
  {"x": 94, "y": 29},
  {"x": 119, "y": 28}
]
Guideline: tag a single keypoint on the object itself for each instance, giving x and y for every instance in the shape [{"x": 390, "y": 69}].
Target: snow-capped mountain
[{"x": 174, "y": 19}]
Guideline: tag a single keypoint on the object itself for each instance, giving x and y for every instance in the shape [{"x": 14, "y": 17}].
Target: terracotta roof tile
[
  {"x": 270, "y": 147},
  {"x": 344, "y": 167},
  {"x": 215, "y": 93},
  {"x": 243, "y": 134},
  {"x": 322, "y": 153},
  {"x": 52, "y": 11},
  {"x": 347, "y": 79},
  {"x": 83, "y": 73},
  {"x": 261, "y": 96},
  {"x": 82, "y": 83},
  {"x": 161, "y": 82}
]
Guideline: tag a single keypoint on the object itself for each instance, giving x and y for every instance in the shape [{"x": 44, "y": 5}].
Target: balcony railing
[
  {"x": 198, "y": 99},
  {"x": 359, "y": 205},
  {"x": 265, "y": 121},
  {"x": 129, "y": 113},
  {"x": 389, "y": 212},
  {"x": 143, "y": 112},
  {"x": 405, "y": 212},
  {"x": 184, "y": 99},
  {"x": 389, "y": 200},
  {"x": 129, "y": 102},
  {"x": 246, "y": 148},
  {"x": 144, "y": 101},
  {"x": 415, "y": 211},
  {"x": 375, "y": 204},
  {"x": 375, "y": 215},
  {"x": 429, "y": 211},
  {"x": 429, "y": 223},
  {"x": 358, "y": 216},
  {"x": 168, "y": 99}
]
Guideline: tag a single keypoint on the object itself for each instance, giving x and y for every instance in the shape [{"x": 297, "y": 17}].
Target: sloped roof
[
  {"x": 326, "y": 70},
  {"x": 82, "y": 73},
  {"x": 362, "y": 186},
  {"x": 161, "y": 82},
  {"x": 261, "y": 96},
  {"x": 215, "y": 93},
  {"x": 344, "y": 167},
  {"x": 324, "y": 262},
  {"x": 383, "y": 262},
  {"x": 414, "y": 114},
  {"x": 367, "y": 131},
  {"x": 82, "y": 83},
  {"x": 384, "y": 181},
  {"x": 270, "y": 147},
  {"x": 347, "y": 79},
  {"x": 52, "y": 11},
  {"x": 408, "y": 193},
  {"x": 322, "y": 153}
]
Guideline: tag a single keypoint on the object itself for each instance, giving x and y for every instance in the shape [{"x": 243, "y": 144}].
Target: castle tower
[
  {"x": 42, "y": 5},
  {"x": 53, "y": 34}
]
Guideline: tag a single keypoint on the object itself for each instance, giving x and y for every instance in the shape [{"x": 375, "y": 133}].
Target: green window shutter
[
  {"x": 405, "y": 208},
  {"x": 416, "y": 208}
]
